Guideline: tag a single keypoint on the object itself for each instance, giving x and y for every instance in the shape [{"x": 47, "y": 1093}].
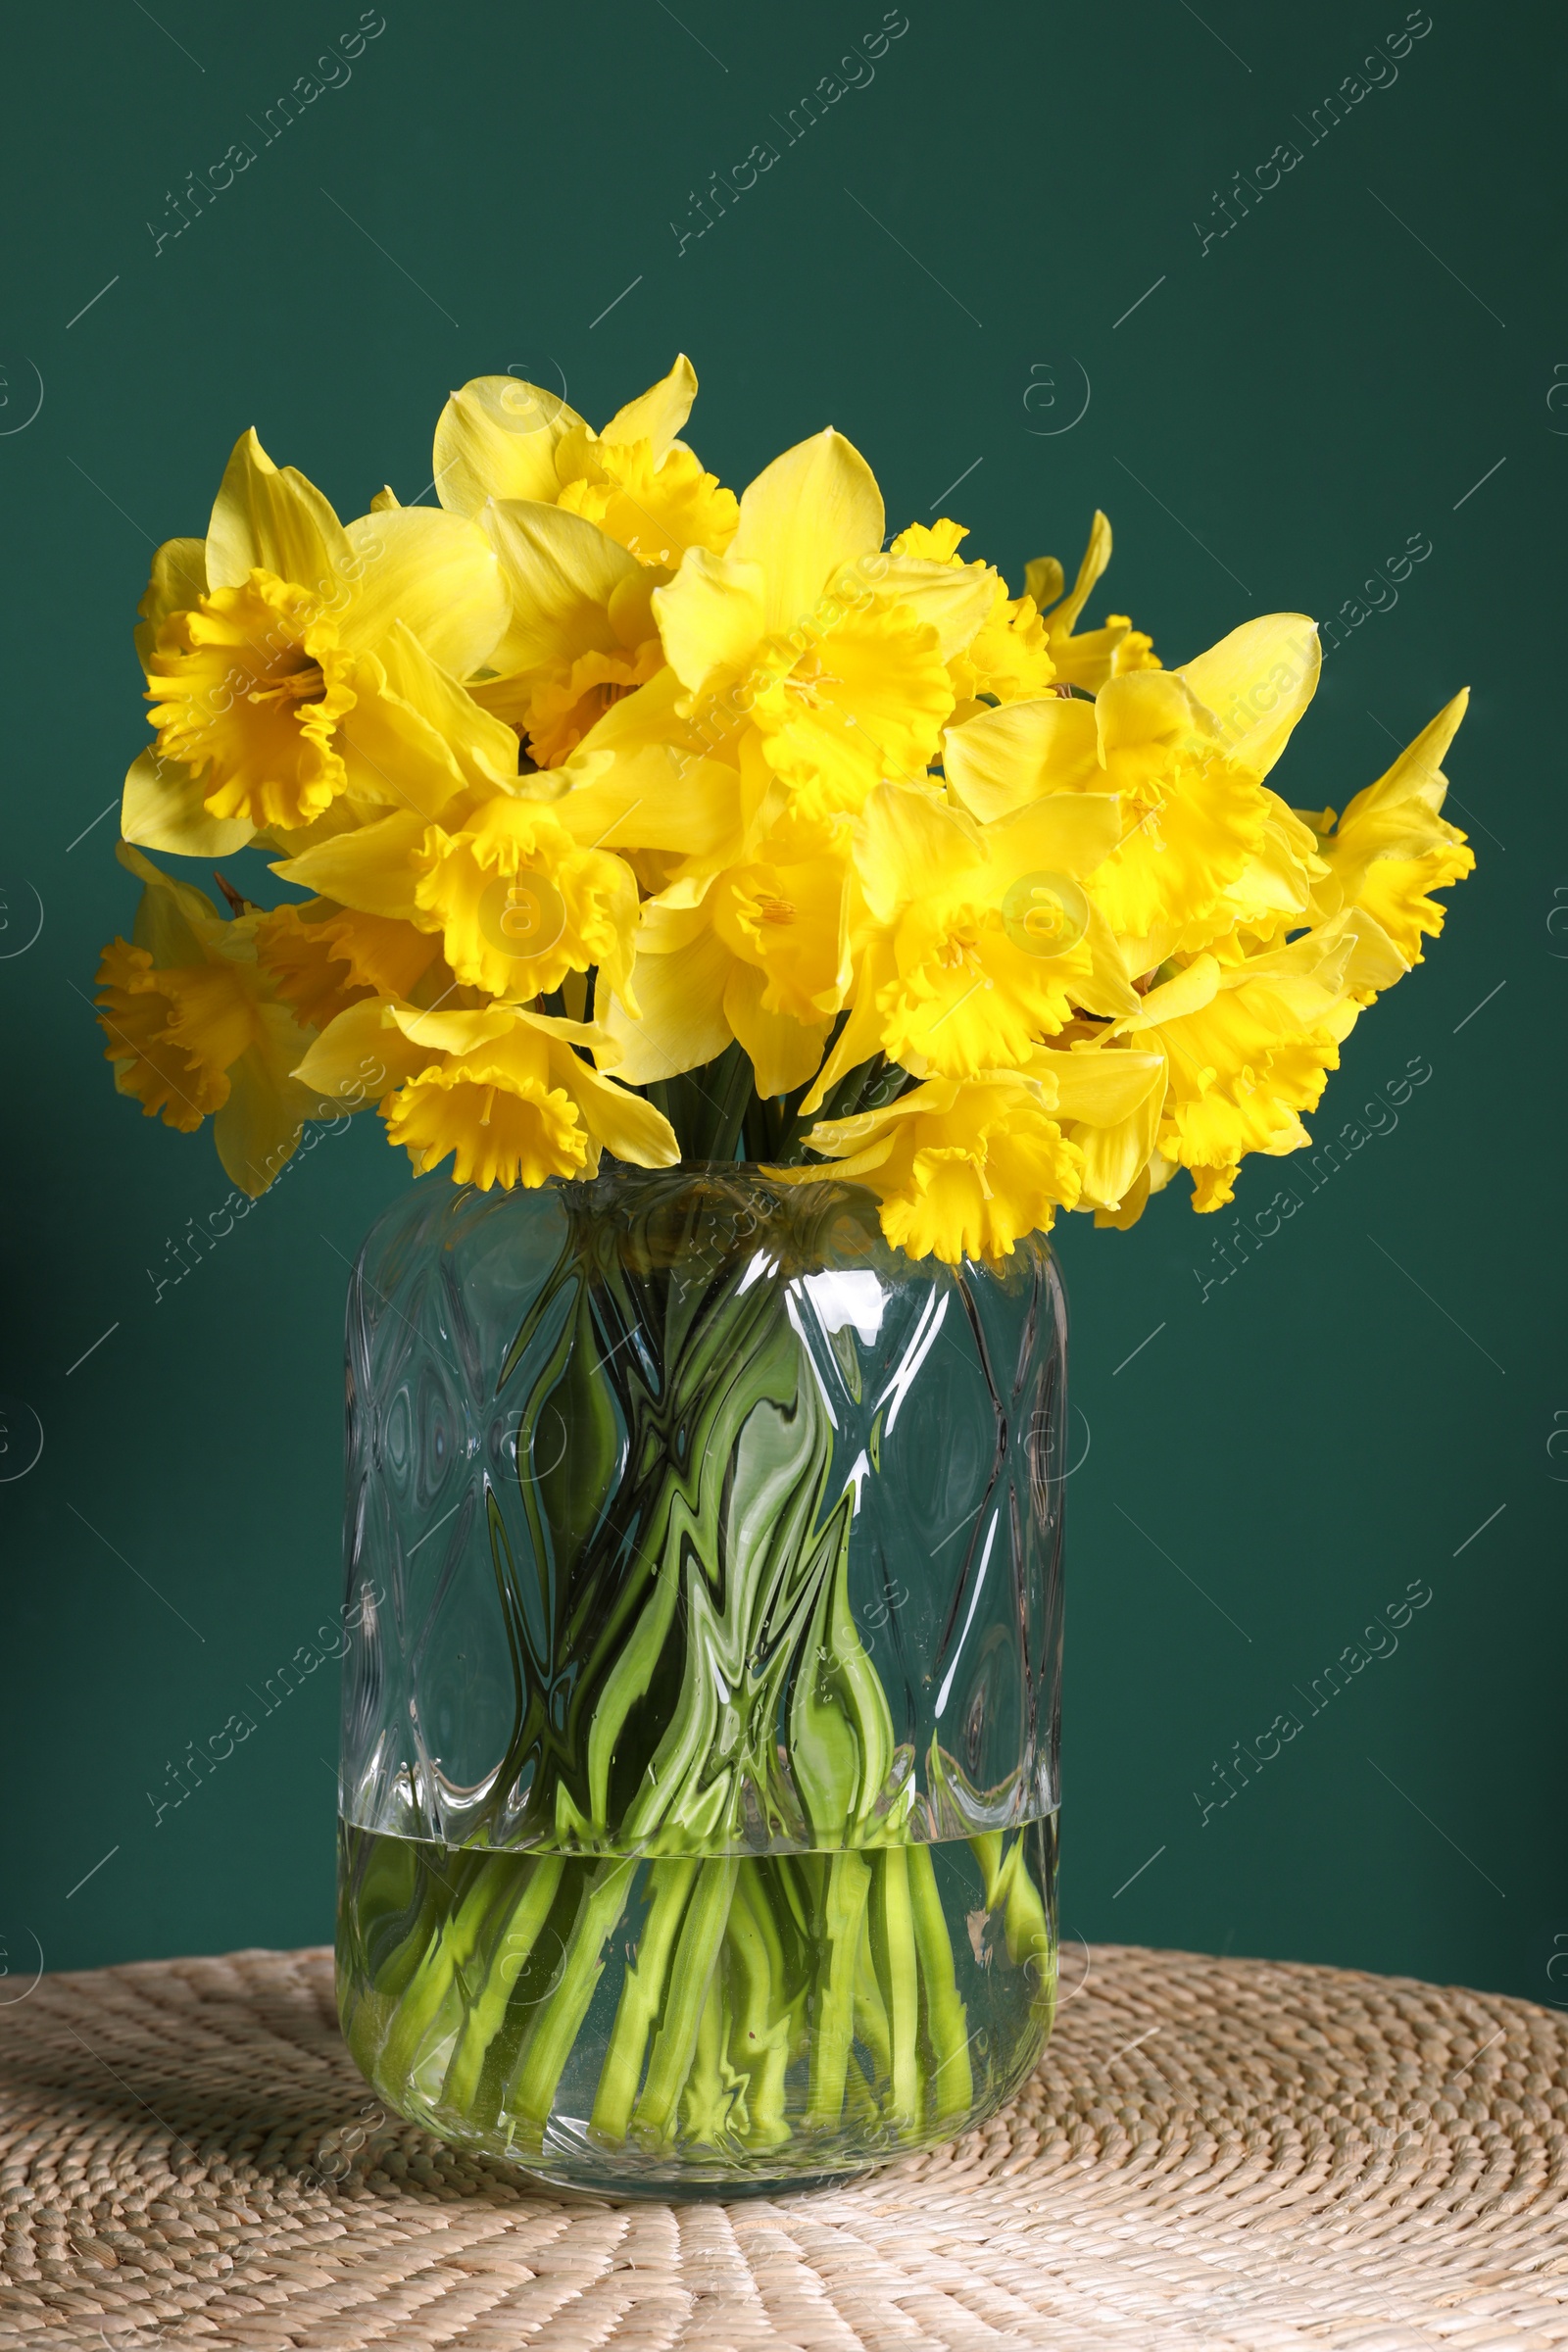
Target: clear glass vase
[{"x": 699, "y": 1773}]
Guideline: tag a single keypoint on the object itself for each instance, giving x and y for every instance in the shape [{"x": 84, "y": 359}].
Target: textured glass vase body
[{"x": 699, "y": 1773}]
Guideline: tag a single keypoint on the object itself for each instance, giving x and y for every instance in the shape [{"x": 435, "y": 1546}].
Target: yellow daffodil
[
  {"x": 501, "y": 1091},
  {"x": 516, "y": 900},
  {"x": 641, "y": 783},
  {"x": 582, "y": 633},
  {"x": 1108, "y": 1098},
  {"x": 594, "y": 768},
  {"x": 194, "y": 1030},
  {"x": 980, "y": 940},
  {"x": 963, "y": 1167},
  {"x": 291, "y": 662},
  {"x": 1393, "y": 847},
  {"x": 1185, "y": 751},
  {"x": 763, "y": 957},
  {"x": 520, "y": 903},
  {"x": 1085, "y": 660},
  {"x": 1248, "y": 1046},
  {"x": 1006, "y": 660},
  {"x": 322, "y": 957},
  {"x": 502, "y": 439},
  {"x": 806, "y": 637}
]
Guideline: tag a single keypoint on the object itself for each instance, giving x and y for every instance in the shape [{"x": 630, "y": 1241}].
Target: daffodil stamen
[{"x": 306, "y": 685}]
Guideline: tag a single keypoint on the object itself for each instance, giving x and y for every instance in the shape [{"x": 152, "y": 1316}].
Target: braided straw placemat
[{"x": 1217, "y": 2153}]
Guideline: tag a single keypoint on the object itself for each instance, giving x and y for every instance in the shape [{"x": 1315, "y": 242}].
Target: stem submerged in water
[
  {"x": 668, "y": 1886},
  {"x": 844, "y": 1900},
  {"x": 794, "y": 2002},
  {"x": 691, "y": 1684},
  {"x": 547, "y": 2043}
]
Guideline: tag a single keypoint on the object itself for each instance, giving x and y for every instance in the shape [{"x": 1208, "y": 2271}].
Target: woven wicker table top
[{"x": 1213, "y": 2153}]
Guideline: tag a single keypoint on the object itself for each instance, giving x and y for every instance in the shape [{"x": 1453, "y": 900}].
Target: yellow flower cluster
[{"x": 639, "y": 818}]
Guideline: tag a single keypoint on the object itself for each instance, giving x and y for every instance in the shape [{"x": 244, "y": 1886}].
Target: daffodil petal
[
  {"x": 259, "y": 1124},
  {"x": 1098, "y": 1086},
  {"x": 909, "y": 845},
  {"x": 1117, "y": 1151},
  {"x": 1063, "y": 617},
  {"x": 1258, "y": 682},
  {"x": 436, "y": 573},
  {"x": 1064, "y": 832},
  {"x": 712, "y": 615},
  {"x": 956, "y": 601},
  {"x": 162, "y": 808},
  {"x": 174, "y": 920},
  {"x": 624, "y": 1122},
  {"x": 459, "y": 1032},
  {"x": 1106, "y": 988},
  {"x": 483, "y": 748},
  {"x": 813, "y": 511},
  {"x": 657, "y": 415},
  {"x": 371, "y": 870},
  {"x": 497, "y": 438},
  {"x": 1000, "y": 760},
  {"x": 177, "y": 581},
  {"x": 1145, "y": 709},
  {"x": 561, "y": 573},
  {"x": 1416, "y": 775},
  {"x": 784, "y": 1051},
  {"x": 272, "y": 518},
  {"x": 1174, "y": 999},
  {"x": 590, "y": 1034},
  {"x": 860, "y": 1037},
  {"x": 362, "y": 1050},
  {"x": 681, "y": 996},
  {"x": 650, "y": 801},
  {"x": 391, "y": 753}
]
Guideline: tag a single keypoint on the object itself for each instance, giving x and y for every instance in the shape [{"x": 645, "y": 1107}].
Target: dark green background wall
[{"x": 942, "y": 268}]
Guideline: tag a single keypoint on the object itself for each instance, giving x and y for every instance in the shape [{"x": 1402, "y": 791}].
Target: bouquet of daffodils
[
  {"x": 633, "y": 817},
  {"x": 630, "y": 818}
]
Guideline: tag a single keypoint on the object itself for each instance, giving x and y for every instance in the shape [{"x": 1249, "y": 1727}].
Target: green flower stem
[
  {"x": 946, "y": 2022},
  {"x": 531, "y": 2090},
  {"x": 386, "y": 1890},
  {"x": 365, "y": 2031},
  {"x": 670, "y": 1884},
  {"x": 1011, "y": 1891},
  {"x": 675, "y": 2043},
  {"x": 518, "y": 1938},
  {"x": 760, "y": 2011},
  {"x": 399, "y": 1967},
  {"x": 531, "y": 1986},
  {"x": 707, "y": 2108},
  {"x": 740, "y": 1360},
  {"x": 891, "y": 1921},
  {"x": 849, "y": 1879},
  {"x": 433, "y": 1995},
  {"x": 735, "y": 1097},
  {"x": 870, "y": 2010}
]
